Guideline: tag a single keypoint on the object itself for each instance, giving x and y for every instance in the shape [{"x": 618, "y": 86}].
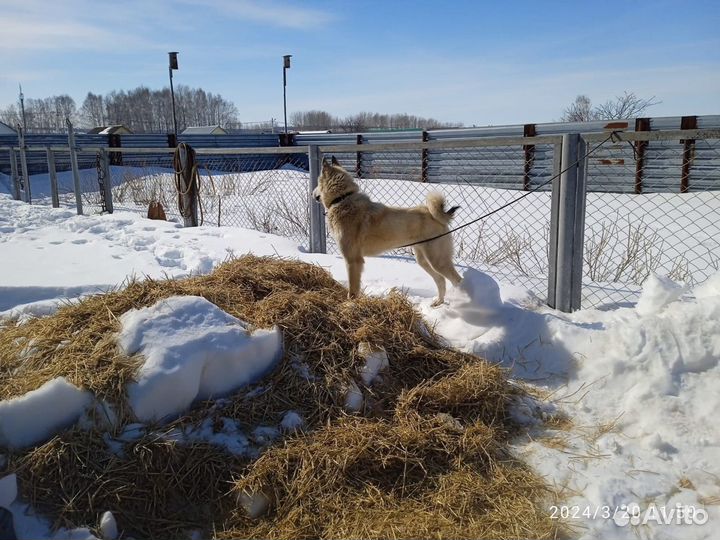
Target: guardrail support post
[
  {"x": 53, "y": 178},
  {"x": 567, "y": 227},
  {"x": 14, "y": 178},
  {"x": 74, "y": 165},
  {"x": 317, "y": 219},
  {"x": 23, "y": 164}
]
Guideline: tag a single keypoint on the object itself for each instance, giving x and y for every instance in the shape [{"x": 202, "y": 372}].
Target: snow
[
  {"x": 192, "y": 350},
  {"x": 375, "y": 362},
  {"x": 8, "y": 490},
  {"x": 292, "y": 421},
  {"x": 354, "y": 398},
  {"x": 108, "y": 526},
  {"x": 658, "y": 291},
  {"x": 39, "y": 414},
  {"x": 639, "y": 382}
]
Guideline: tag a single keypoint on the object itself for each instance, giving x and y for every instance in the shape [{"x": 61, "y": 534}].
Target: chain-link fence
[
  {"x": 653, "y": 205},
  {"x": 479, "y": 176},
  {"x": 651, "y": 200}
]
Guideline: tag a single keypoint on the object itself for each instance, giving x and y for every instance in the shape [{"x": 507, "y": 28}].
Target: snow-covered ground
[
  {"x": 627, "y": 236},
  {"x": 640, "y": 385}
]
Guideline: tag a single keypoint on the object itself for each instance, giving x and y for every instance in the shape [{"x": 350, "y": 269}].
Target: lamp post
[
  {"x": 22, "y": 108},
  {"x": 286, "y": 66},
  {"x": 173, "y": 64}
]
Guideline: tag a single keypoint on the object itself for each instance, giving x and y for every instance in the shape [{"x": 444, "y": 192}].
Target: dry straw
[{"x": 427, "y": 457}]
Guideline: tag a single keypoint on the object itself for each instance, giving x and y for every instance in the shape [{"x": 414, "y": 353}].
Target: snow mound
[
  {"x": 193, "y": 350},
  {"x": 709, "y": 288},
  {"x": 476, "y": 299},
  {"x": 39, "y": 414},
  {"x": 658, "y": 292}
]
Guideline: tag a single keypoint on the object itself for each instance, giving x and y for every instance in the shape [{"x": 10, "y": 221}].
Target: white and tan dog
[{"x": 364, "y": 228}]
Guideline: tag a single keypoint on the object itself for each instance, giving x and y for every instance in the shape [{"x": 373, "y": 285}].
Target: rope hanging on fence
[
  {"x": 192, "y": 187},
  {"x": 611, "y": 137}
]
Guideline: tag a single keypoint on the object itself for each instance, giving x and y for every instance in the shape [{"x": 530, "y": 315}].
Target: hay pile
[{"x": 427, "y": 456}]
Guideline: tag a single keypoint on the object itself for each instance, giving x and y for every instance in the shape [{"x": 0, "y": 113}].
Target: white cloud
[
  {"x": 38, "y": 25},
  {"x": 279, "y": 14}
]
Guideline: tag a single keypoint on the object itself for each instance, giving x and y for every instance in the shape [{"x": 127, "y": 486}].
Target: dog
[{"x": 363, "y": 228}]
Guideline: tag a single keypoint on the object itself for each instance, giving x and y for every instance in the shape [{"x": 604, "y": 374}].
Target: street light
[
  {"x": 286, "y": 66},
  {"x": 22, "y": 108},
  {"x": 173, "y": 64}
]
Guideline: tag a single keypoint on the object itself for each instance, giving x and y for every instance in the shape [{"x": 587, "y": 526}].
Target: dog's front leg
[{"x": 354, "y": 268}]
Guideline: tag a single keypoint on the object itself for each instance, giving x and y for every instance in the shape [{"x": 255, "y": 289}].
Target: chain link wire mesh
[
  {"x": 512, "y": 244},
  {"x": 265, "y": 192},
  {"x": 652, "y": 207}
]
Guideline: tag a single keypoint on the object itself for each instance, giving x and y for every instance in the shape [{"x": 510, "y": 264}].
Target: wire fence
[
  {"x": 630, "y": 224},
  {"x": 512, "y": 244},
  {"x": 635, "y": 227}
]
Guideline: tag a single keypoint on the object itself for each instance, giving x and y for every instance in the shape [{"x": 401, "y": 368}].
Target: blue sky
[{"x": 482, "y": 63}]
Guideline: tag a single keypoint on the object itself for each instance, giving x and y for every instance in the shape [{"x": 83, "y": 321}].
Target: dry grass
[{"x": 427, "y": 457}]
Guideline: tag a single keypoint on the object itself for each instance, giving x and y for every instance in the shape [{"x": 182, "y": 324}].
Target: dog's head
[{"x": 333, "y": 182}]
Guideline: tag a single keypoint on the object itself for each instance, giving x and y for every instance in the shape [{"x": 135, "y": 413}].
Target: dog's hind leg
[
  {"x": 437, "y": 277},
  {"x": 440, "y": 257}
]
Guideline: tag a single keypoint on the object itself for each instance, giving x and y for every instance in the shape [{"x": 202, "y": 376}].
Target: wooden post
[
  {"x": 107, "y": 180},
  {"x": 424, "y": 159},
  {"x": 358, "y": 157},
  {"x": 641, "y": 124},
  {"x": 187, "y": 196},
  {"x": 53, "y": 178},
  {"x": 529, "y": 130},
  {"x": 687, "y": 122}
]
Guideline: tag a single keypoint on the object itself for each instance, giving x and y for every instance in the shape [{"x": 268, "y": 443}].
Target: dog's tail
[{"x": 436, "y": 204}]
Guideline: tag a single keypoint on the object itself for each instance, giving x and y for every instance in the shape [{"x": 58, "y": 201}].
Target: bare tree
[
  {"x": 628, "y": 105},
  {"x": 579, "y": 111}
]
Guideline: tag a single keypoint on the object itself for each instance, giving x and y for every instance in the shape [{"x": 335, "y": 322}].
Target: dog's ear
[
  {"x": 334, "y": 161},
  {"x": 325, "y": 164}
]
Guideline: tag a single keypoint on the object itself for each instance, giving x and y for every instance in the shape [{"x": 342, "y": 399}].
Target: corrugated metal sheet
[{"x": 612, "y": 168}]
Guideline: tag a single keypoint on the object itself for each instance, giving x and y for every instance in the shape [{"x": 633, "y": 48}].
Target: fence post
[
  {"x": 424, "y": 159},
  {"x": 53, "y": 178},
  {"x": 184, "y": 178},
  {"x": 554, "y": 211},
  {"x": 358, "y": 157},
  {"x": 641, "y": 124},
  {"x": 107, "y": 180},
  {"x": 74, "y": 165},
  {"x": 568, "y": 226},
  {"x": 529, "y": 130},
  {"x": 23, "y": 164},
  {"x": 317, "y": 219},
  {"x": 687, "y": 122},
  {"x": 14, "y": 175}
]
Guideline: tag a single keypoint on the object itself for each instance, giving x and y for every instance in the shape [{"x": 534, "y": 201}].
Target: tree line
[
  {"x": 142, "y": 110},
  {"x": 150, "y": 111},
  {"x": 323, "y": 120}
]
